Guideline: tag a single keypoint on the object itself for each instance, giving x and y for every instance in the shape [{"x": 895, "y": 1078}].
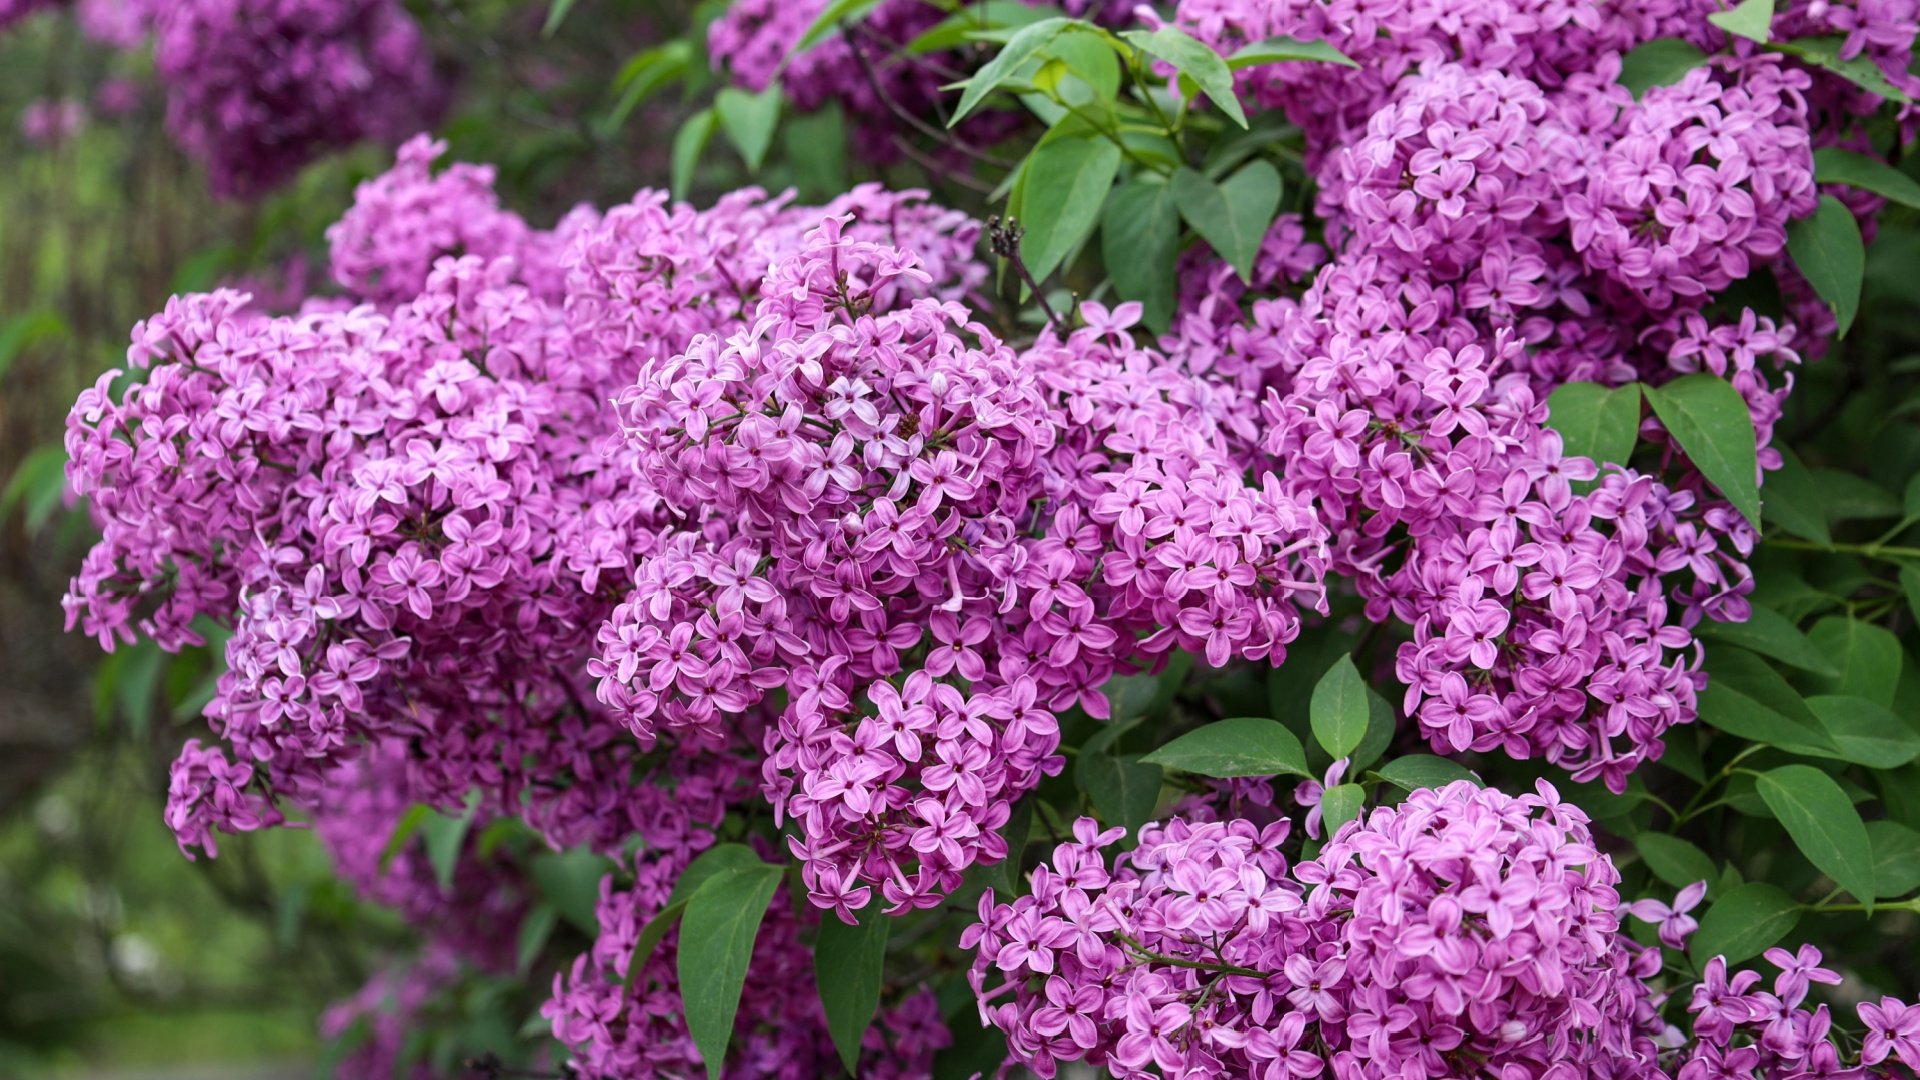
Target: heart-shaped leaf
[
  {"x": 1832, "y": 165},
  {"x": 848, "y": 965},
  {"x": 1661, "y": 62},
  {"x": 1233, "y": 215},
  {"x": 1339, "y": 709},
  {"x": 1743, "y": 924},
  {"x": 749, "y": 121},
  {"x": 1140, "y": 245},
  {"x": 1067, "y": 182},
  {"x": 1823, "y": 824},
  {"x": 1675, "y": 861},
  {"x": 1752, "y": 19},
  {"x": 717, "y": 929},
  {"x": 1197, "y": 61},
  {"x": 1243, "y": 746},
  {"x": 1710, "y": 421},
  {"x": 1416, "y": 771},
  {"x": 1829, "y": 253}
]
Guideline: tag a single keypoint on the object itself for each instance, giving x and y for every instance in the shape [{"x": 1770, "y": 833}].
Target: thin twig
[
  {"x": 936, "y": 166},
  {"x": 906, "y": 115},
  {"x": 1004, "y": 237}
]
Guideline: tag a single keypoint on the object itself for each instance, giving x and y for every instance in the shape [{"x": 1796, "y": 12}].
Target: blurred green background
[{"x": 119, "y": 957}]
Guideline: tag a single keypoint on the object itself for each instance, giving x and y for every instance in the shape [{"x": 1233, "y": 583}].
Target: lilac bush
[{"x": 1354, "y": 562}]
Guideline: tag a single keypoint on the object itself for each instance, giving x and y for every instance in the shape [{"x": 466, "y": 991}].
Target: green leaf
[
  {"x": 1339, "y": 710},
  {"x": 1910, "y": 584},
  {"x": 816, "y": 146},
  {"x": 1675, "y": 861},
  {"x": 1416, "y": 771},
  {"x": 749, "y": 121},
  {"x": 688, "y": 144},
  {"x": 956, "y": 30},
  {"x": 1861, "y": 71},
  {"x": 1066, "y": 187},
  {"x": 1824, "y": 825},
  {"x": 1868, "y": 658},
  {"x": 1743, "y": 924},
  {"x": 827, "y": 23},
  {"x": 1123, "y": 789},
  {"x": 1595, "y": 422},
  {"x": 1793, "y": 500},
  {"x": 1196, "y": 61},
  {"x": 1829, "y": 253},
  {"x": 1340, "y": 804},
  {"x": 535, "y": 928},
  {"x": 40, "y": 482},
  {"x": 570, "y": 880},
  {"x": 1866, "y": 733},
  {"x": 556, "y": 15},
  {"x": 1022, "y": 47},
  {"x": 1382, "y": 722},
  {"x": 444, "y": 837},
  {"x": 1130, "y": 697},
  {"x": 1846, "y": 497},
  {"x": 1244, "y": 746},
  {"x": 645, "y": 75},
  {"x": 24, "y": 331},
  {"x": 1092, "y": 60},
  {"x": 1661, "y": 62},
  {"x": 1140, "y": 245},
  {"x": 977, "y": 1049},
  {"x": 1710, "y": 421},
  {"x": 1832, "y": 165},
  {"x": 1275, "y": 50},
  {"x": 1752, "y": 19},
  {"x": 1770, "y": 633},
  {"x": 409, "y": 824},
  {"x": 716, "y": 944},
  {"x": 848, "y": 963},
  {"x": 1734, "y": 711},
  {"x": 1231, "y": 216},
  {"x": 1896, "y": 858},
  {"x": 1747, "y": 698},
  {"x": 714, "y": 860}
]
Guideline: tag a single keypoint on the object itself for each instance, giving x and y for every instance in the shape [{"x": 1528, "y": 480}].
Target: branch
[
  {"x": 906, "y": 116},
  {"x": 1005, "y": 241}
]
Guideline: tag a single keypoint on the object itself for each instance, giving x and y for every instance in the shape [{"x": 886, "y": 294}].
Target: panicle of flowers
[
  {"x": 256, "y": 88},
  {"x": 1741, "y": 1030},
  {"x": 846, "y": 470},
  {"x": 408, "y": 218},
  {"x": 1405, "y": 390},
  {"x": 1464, "y": 932},
  {"x": 1542, "y": 40},
  {"x": 854, "y": 474},
  {"x": 207, "y": 793}
]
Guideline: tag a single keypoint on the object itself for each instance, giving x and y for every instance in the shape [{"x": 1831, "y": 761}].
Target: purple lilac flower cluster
[
  {"x": 854, "y": 477},
  {"x": 408, "y": 218},
  {"x": 255, "y": 88},
  {"x": 1494, "y": 235},
  {"x": 1464, "y": 931},
  {"x": 401, "y": 506}
]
